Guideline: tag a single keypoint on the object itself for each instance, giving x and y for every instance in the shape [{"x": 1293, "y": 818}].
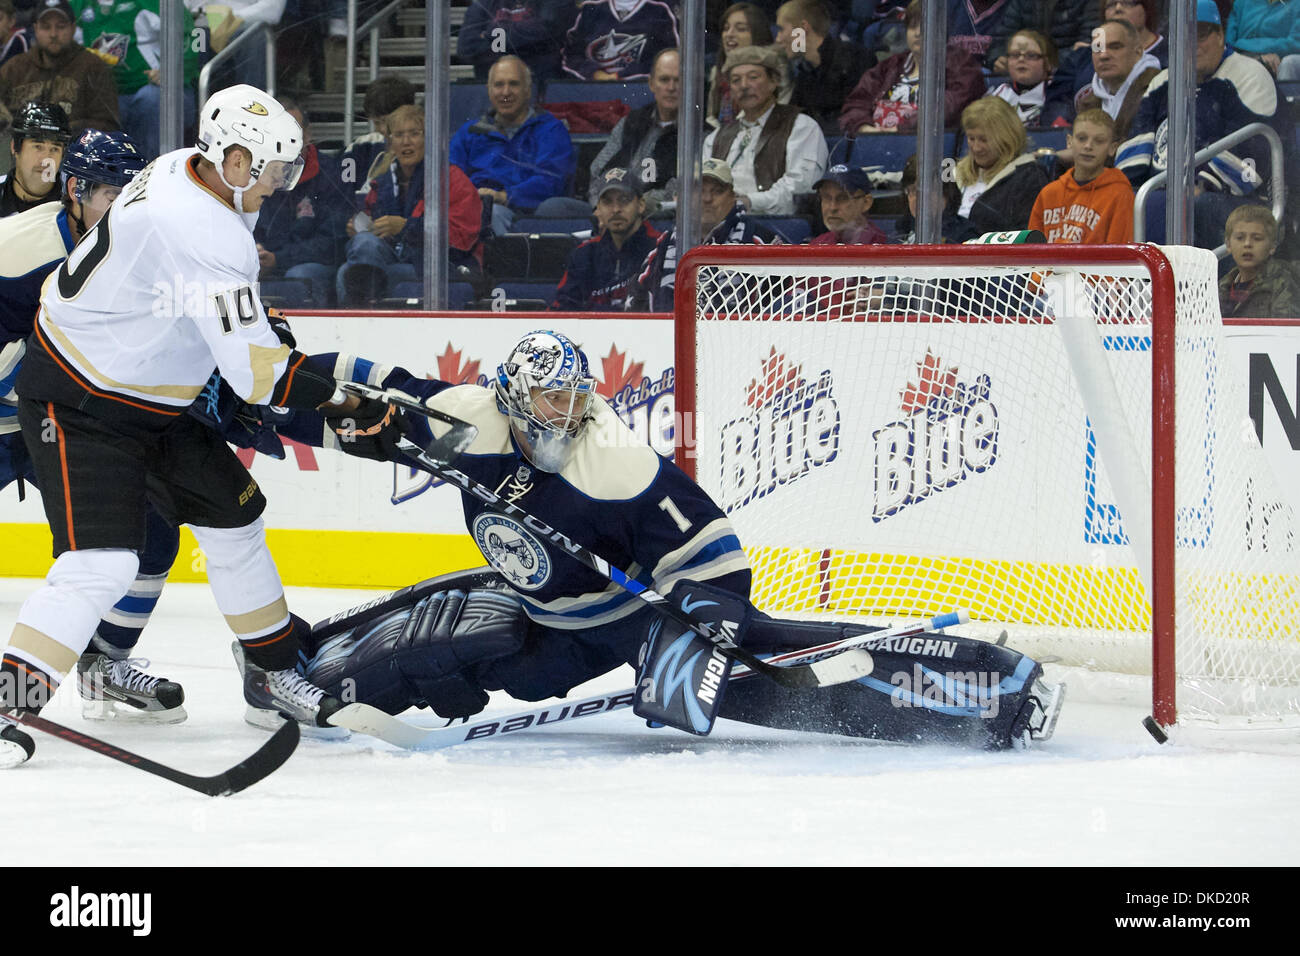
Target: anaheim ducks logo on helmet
[{"x": 248, "y": 117}]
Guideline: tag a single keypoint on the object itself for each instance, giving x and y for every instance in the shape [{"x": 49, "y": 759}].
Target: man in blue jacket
[
  {"x": 514, "y": 154},
  {"x": 1232, "y": 91}
]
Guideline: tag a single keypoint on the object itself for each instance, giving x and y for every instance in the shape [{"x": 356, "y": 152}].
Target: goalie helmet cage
[{"x": 1051, "y": 436}]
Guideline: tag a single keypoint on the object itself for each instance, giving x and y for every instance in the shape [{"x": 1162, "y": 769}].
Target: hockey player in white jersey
[
  {"x": 131, "y": 325},
  {"x": 96, "y": 166}
]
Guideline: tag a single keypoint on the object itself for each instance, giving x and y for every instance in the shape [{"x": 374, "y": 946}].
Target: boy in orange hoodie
[{"x": 1092, "y": 203}]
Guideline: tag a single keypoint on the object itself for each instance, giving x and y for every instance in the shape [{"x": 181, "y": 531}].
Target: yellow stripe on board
[
  {"x": 799, "y": 580},
  {"x": 324, "y": 559},
  {"x": 794, "y": 580}
]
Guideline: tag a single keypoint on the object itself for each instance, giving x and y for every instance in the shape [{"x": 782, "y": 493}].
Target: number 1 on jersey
[{"x": 675, "y": 513}]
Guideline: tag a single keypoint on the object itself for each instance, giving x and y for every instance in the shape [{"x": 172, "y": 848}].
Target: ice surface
[{"x": 608, "y": 790}]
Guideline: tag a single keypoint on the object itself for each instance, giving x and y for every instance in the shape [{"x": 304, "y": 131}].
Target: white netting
[{"x": 896, "y": 442}]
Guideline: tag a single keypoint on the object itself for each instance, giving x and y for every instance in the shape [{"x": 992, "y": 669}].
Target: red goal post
[{"x": 967, "y": 331}]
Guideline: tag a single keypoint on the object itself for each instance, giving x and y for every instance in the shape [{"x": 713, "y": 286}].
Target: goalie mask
[
  {"x": 245, "y": 116},
  {"x": 544, "y": 388}
]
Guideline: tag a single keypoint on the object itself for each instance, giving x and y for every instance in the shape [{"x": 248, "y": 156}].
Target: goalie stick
[
  {"x": 374, "y": 722},
  {"x": 264, "y": 761},
  {"x": 437, "y": 458}
]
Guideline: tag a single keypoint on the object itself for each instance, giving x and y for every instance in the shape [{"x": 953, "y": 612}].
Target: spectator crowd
[{"x": 1056, "y": 112}]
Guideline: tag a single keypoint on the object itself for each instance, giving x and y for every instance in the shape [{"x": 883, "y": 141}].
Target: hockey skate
[
  {"x": 113, "y": 686},
  {"x": 1039, "y": 715},
  {"x": 16, "y": 746},
  {"x": 274, "y": 696}
]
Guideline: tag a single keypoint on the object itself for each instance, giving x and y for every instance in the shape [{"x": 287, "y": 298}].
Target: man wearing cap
[
  {"x": 600, "y": 270},
  {"x": 723, "y": 221},
  {"x": 60, "y": 70},
  {"x": 845, "y": 197},
  {"x": 775, "y": 152},
  {"x": 1232, "y": 91}
]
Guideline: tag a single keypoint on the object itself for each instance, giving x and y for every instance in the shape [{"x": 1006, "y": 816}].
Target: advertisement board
[{"x": 335, "y": 520}]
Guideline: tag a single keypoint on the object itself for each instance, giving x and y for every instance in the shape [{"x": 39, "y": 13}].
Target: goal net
[{"x": 1051, "y": 437}]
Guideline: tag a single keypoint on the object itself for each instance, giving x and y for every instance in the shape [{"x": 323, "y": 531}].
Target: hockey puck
[{"x": 1155, "y": 729}]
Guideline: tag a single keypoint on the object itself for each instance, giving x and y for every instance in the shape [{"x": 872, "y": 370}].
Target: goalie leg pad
[
  {"x": 426, "y": 654},
  {"x": 681, "y": 676},
  {"x": 472, "y": 580},
  {"x": 929, "y": 688}
]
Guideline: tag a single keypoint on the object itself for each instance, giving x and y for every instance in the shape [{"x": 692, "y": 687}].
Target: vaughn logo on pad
[{"x": 949, "y": 432}]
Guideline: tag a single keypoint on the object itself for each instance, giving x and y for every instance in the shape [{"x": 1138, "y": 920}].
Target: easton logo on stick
[
  {"x": 792, "y": 426},
  {"x": 949, "y": 432}
]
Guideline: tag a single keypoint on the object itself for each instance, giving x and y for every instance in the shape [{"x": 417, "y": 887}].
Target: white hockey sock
[
  {"x": 57, "y": 622},
  {"x": 244, "y": 580}
]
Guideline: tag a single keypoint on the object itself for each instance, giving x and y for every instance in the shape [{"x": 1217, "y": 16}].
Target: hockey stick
[
  {"x": 374, "y": 722},
  {"x": 869, "y": 639},
  {"x": 835, "y": 670},
  {"x": 264, "y": 761}
]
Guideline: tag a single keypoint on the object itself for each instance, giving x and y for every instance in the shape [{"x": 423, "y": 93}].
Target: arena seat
[
  {"x": 506, "y": 256},
  {"x": 518, "y": 297},
  {"x": 1052, "y": 138},
  {"x": 467, "y": 101},
  {"x": 405, "y": 295},
  {"x": 570, "y": 226},
  {"x": 548, "y": 254},
  {"x": 531, "y": 256},
  {"x": 284, "y": 293},
  {"x": 890, "y": 150},
  {"x": 793, "y": 229},
  {"x": 634, "y": 94}
]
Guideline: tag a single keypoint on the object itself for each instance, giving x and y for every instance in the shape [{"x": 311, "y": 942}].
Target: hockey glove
[
  {"x": 681, "y": 676},
  {"x": 241, "y": 424},
  {"x": 371, "y": 430}
]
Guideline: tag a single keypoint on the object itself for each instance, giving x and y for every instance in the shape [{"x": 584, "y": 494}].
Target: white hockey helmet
[
  {"x": 545, "y": 389},
  {"x": 246, "y": 116}
]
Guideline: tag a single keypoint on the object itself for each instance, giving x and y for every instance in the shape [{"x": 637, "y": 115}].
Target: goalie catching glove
[
  {"x": 371, "y": 430},
  {"x": 681, "y": 676}
]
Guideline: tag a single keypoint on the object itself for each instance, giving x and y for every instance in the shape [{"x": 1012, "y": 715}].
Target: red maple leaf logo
[
  {"x": 931, "y": 379},
  {"x": 616, "y": 376},
  {"x": 450, "y": 369},
  {"x": 777, "y": 376}
]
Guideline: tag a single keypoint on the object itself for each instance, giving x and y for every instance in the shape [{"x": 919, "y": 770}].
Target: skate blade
[
  {"x": 271, "y": 720},
  {"x": 1053, "y": 713},
  {"x": 115, "y": 710}
]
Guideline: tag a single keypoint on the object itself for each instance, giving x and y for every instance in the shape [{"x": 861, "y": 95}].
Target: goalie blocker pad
[
  {"x": 681, "y": 676},
  {"x": 421, "y": 646},
  {"x": 925, "y": 688}
]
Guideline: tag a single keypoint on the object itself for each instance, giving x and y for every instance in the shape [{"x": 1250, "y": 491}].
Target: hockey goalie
[{"x": 536, "y": 622}]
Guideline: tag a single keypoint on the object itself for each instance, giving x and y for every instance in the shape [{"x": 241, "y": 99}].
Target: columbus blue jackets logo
[
  {"x": 512, "y": 550},
  {"x": 614, "y": 51}
]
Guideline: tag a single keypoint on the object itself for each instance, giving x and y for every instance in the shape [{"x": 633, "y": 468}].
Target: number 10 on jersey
[{"x": 239, "y": 303}]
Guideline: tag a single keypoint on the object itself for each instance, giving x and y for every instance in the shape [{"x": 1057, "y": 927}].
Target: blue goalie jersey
[{"x": 616, "y": 496}]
